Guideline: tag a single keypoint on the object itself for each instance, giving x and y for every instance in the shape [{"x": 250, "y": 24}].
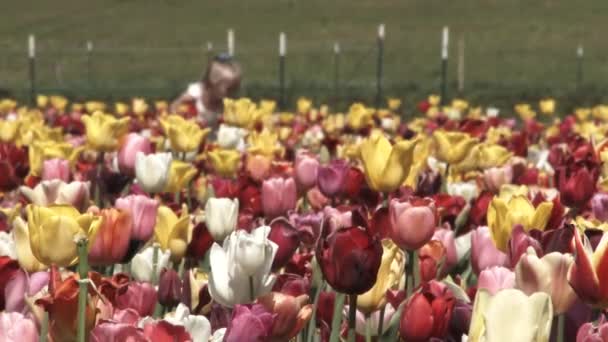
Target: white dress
[{"x": 195, "y": 90}]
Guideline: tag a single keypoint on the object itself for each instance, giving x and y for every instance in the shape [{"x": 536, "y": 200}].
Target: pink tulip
[
  {"x": 484, "y": 253},
  {"x": 306, "y": 167},
  {"x": 278, "y": 196},
  {"x": 412, "y": 222},
  {"x": 56, "y": 169},
  {"x": 599, "y": 206},
  {"x": 498, "y": 176},
  {"x": 258, "y": 166},
  {"x": 143, "y": 212},
  {"x": 337, "y": 219},
  {"x": 330, "y": 178},
  {"x": 20, "y": 286},
  {"x": 132, "y": 144},
  {"x": 249, "y": 324},
  {"x": 446, "y": 237},
  {"x": 128, "y": 316},
  {"x": 163, "y": 331},
  {"x": 593, "y": 331},
  {"x": 140, "y": 297},
  {"x": 316, "y": 199},
  {"x": 496, "y": 278},
  {"x": 15, "y": 327},
  {"x": 108, "y": 331},
  {"x": 519, "y": 243}
]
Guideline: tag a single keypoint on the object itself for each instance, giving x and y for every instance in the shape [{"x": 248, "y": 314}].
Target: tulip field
[{"x": 124, "y": 221}]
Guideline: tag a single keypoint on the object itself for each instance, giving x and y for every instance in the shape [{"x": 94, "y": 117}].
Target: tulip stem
[
  {"x": 97, "y": 193},
  {"x": 560, "y": 327},
  {"x": 336, "y": 321},
  {"x": 368, "y": 329},
  {"x": 312, "y": 325},
  {"x": 352, "y": 317},
  {"x": 44, "y": 326},
  {"x": 83, "y": 286},
  {"x": 381, "y": 321},
  {"x": 412, "y": 275},
  {"x": 154, "y": 263},
  {"x": 251, "y": 289}
]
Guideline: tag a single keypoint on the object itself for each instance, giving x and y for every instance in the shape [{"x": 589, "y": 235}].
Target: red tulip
[
  {"x": 163, "y": 331},
  {"x": 108, "y": 331},
  {"x": 287, "y": 238},
  {"x": 201, "y": 242},
  {"x": 413, "y": 222},
  {"x": 9, "y": 269},
  {"x": 169, "y": 288},
  {"x": 291, "y": 284},
  {"x": 112, "y": 241},
  {"x": 431, "y": 256},
  {"x": 278, "y": 196},
  {"x": 249, "y": 324},
  {"x": 349, "y": 259},
  {"x": 331, "y": 178},
  {"x": 448, "y": 207},
  {"x": 353, "y": 183},
  {"x": 479, "y": 209},
  {"x": 306, "y": 166},
  {"x": 140, "y": 297},
  {"x": 587, "y": 274},
  {"x": 13, "y": 166},
  {"x": 225, "y": 188},
  {"x": 427, "y": 314},
  {"x": 250, "y": 197},
  {"x": 575, "y": 186}
]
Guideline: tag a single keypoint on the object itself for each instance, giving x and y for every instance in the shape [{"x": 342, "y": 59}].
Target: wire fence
[{"x": 325, "y": 72}]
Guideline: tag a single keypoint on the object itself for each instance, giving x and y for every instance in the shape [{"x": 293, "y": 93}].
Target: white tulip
[
  {"x": 141, "y": 264},
  {"x": 197, "y": 326},
  {"x": 218, "y": 335},
  {"x": 463, "y": 245},
  {"x": 152, "y": 170},
  {"x": 230, "y": 137},
  {"x": 56, "y": 191},
  {"x": 510, "y": 315},
  {"x": 466, "y": 190},
  {"x": 221, "y": 215},
  {"x": 492, "y": 112},
  {"x": 7, "y": 245},
  {"x": 240, "y": 269}
]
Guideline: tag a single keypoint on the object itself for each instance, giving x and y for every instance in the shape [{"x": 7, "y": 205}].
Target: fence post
[
  {"x": 461, "y": 64},
  {"x": 282, "y": 53},
  {"x": 89, "y": 63},
  {"x": 32, "y": 67},
  {"x": 579, "y": 65},
  {"x": 380, "y": 64},
  {"x": 336, "y": 69},
  {"x": 231, "y": 42},
  {"x": 444, "y": 63}
]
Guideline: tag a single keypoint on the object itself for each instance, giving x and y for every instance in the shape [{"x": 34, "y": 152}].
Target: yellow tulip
[
  {"x": 94, "y": 106},
  {"x": 333, "y": 123},
  {"x": 508, "y": 191},
  {"x": 225, "y": 162},
  {"x": 510, "y": 315},
  {"x": 184, "y": 135},
  {"x": 304, "y": 105},
  {"x": 180, "y": 175},
  {"x": 460, "y": 105},
  {"x": 434, "y": 100},
  {"x": 121, "y": 108},
  {"x": 9, "y": 130},
  {"x": 524, "y": 111},
  {"x": 422, "y": 151},
  {"x": 359, "y": 116},
  {"x": 77, "y": 107},
  {"x": 104, "y": 131},
  {"x": 7, "y": 105},
  {"x": 393, "y": 104},
  {"x": 582, "y": 114},
  {"x": 242, "y": 112},
  {"x": 547, "y": 106},
  {"x": 392, "y": 268},
  {"x": 600, "y": 112},
  {"x": 161, "y": 106},
  {"x": 59, "y": 103},
  {"x": 26, "y": 259},
  {"x": 503, "y": 215},
  {"x": 42, "y": 101},
  {"x": 171, "y": 232},
  {"x": 583, "y": 224},
  {"x": 265, "y": 143},
  {"x": 40, "y": 151},
  {"x": 53, "y": 232},
  {"x": 475, "y": 113},
  {"x": 386, "y": 166},
  {"x": 492, "y": 155},
  {"x": 452, "y": 147},
  {"x": 496, "y": 134},
  {"x": 140, "y": 107},
  {"x": 267, "y": 106}
]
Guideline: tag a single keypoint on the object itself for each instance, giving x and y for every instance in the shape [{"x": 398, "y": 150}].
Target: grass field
[{"x": 513, "y": 48}]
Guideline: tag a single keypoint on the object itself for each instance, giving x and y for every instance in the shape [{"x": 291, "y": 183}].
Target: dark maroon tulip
[
  {"x": 9, "y": 268},
  {"x": 449, "y": 207},
  {"x": 140, "y": 297},
  {"x": 428, "y": 313},
  {"x": 575, "y": 186},
  {"x": 225, "y": 188},
  {"x": 461, "y": 320},
  {"x": 330, "y": 178},
  {"x": 479, "y": 209},
  {"x": 300, "y": 264},
  {"x": 555, "y": 240},
  {"x": 557, "y": 213},
  {"x": 519, "y": 243},
  {"x": 169, "y": 288},
  {"x": 201, "y": 242},
  {"x": 287, "y": 238},
  {"x": 428, "y": 184},
  {"x": 308, "y": 225},
  {"x": 353, "y": 182},
  {"x": 291, "y": 284},
  {"x": 249, "y": 324},
  {"x": 349, "y": 258},
  {"x": 13, "y": 166},
  {"x": 325, "y": 307}
]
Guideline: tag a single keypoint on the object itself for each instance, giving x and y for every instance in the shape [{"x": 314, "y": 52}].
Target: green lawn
[{"x": 513, "y": 48}]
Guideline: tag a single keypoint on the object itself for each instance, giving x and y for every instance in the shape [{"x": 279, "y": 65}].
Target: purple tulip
[
  {"x": 249, "y": 324},
  {"x": 599, "y": 206},
  {"x": 330, "y": 178}
]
